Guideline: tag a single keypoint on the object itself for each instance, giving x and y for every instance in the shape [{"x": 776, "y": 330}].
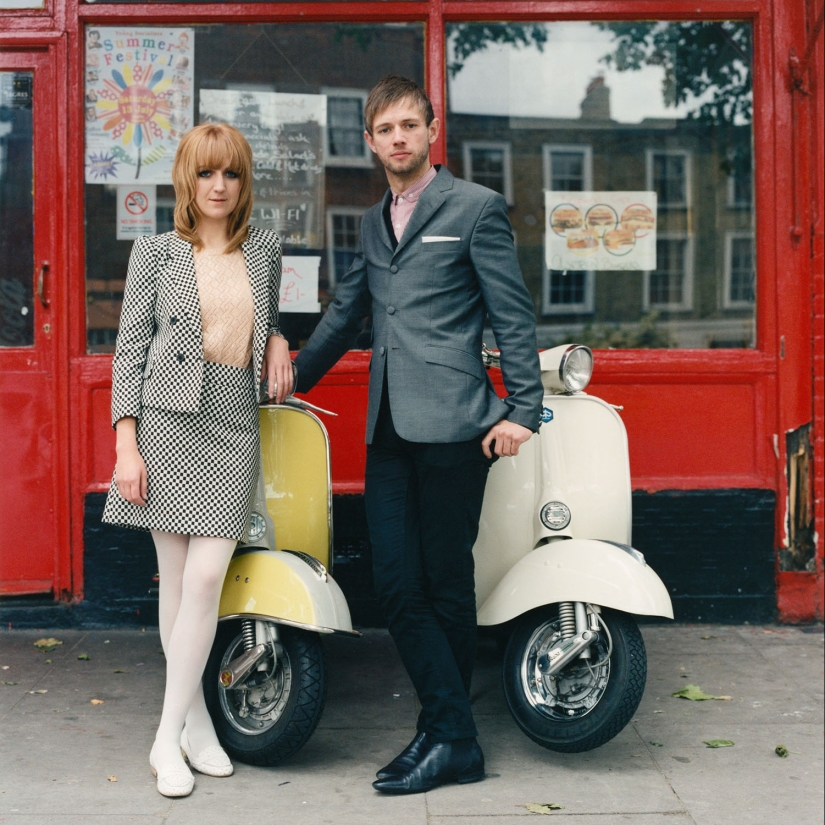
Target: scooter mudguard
[
  {"x": 578, "y": 570},
  {"x": 286, "y": 588}
]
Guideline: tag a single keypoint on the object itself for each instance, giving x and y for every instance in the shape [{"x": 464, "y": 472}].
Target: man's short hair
[{"x": 393, "y": 89}]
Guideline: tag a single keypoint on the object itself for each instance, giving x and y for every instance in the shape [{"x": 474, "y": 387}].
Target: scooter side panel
[
  {"x": 295, "y": 469},
  {"x": 577, "y": 570},
  {"x": 280, "y": 586}
]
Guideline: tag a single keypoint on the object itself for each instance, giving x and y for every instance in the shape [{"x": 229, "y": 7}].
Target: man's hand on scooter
[
  {"x": 505, "y": 438},
  {"x": 276, "y": 369}
]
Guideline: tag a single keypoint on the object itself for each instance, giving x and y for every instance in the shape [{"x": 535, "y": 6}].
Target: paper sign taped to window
[
  {"x": 600, "y": 230},
  {"x": 299, "y": 283},
  {"x": 136, "y": 211}
]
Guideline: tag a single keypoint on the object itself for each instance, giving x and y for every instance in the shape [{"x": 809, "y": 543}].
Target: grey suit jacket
[
  {"x": 159, "y": 352},
  {"x": 455, "y": 263}
]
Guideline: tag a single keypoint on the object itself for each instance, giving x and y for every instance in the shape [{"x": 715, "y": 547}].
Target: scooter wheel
[
  {"x": 588, "y": 702},
  {"x": 277, "y": 709}
]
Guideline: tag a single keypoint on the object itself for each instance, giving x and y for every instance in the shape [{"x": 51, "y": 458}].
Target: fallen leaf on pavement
[
  {"x": 657, "y": 744},
  {"x": 98, "y": 702},
  {"x": 543, "y": 807},
  {"x": 38, "y": 691},
  {"x": 47, "y": 645},
  {"x": 5, "y": 667},
  {"x": 708, "y": 637},
  {"x": 781, "y": 750},
  {"x": 118, "y": 671},
  {"x": 696, "y": 694},
  {"x": 718, "y": 743},
  {"x": 11, "y": 683},
  {"x": 112, "y": 778},
  {"x": 84, "y": 657}
]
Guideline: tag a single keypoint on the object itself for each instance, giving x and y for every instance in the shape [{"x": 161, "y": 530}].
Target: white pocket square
[{"x": 438, "y": 238}]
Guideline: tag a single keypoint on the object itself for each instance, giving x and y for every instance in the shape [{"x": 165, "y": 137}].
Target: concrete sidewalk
[{"x": 60, "y": 754}]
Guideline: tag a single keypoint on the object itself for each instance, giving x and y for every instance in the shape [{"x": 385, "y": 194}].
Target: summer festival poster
[
  {"x": 600, "y": 230},
  {"x": 138, "y": 101}
]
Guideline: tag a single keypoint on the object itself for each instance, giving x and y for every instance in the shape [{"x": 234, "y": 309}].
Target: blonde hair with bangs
[{"x": 211, "y": 146}]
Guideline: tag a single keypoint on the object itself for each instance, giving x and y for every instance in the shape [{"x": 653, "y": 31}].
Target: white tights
[{"x": 192, "y": 570}]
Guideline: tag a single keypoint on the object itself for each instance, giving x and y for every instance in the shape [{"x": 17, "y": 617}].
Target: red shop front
[{"x": 711, "y": 110}]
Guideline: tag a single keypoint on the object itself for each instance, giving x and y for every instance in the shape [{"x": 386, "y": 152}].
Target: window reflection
[{"x": 631, "y": 107}]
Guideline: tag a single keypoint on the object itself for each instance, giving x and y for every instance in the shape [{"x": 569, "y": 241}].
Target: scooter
[
  {"x": 555, "y": 566},
  {"x": 265, "y": 681}
]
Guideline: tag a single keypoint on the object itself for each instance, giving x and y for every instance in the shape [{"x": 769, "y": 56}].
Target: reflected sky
[{"x": 523, "y": 82}]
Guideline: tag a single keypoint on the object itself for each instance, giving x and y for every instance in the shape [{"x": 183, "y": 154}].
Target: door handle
[{"x": 44, "y": 268}]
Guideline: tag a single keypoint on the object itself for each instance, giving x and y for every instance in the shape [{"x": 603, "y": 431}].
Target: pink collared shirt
[{"x": 402, "y": 206}]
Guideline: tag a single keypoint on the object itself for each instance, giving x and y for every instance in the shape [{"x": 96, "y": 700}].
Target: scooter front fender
[
  {"x": 578, "y": 570},
  {"x": 286, "y": 588}
]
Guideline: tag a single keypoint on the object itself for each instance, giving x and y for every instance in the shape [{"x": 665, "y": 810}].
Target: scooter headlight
[
  {"x": 257, "y": 526},
  {"x": 566, "y": 369}
]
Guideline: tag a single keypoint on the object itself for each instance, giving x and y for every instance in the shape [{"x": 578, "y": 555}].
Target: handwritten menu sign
[
  {"x": 600, "y": 230},
  {"x": 287, "y": 136}
]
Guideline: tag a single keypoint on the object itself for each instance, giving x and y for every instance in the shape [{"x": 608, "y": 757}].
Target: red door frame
[
  {"x": 778, "y": 371},
  {"x": 45, "y": 55}
]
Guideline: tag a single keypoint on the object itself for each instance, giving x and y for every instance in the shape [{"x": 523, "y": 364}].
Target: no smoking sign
[{"x": 136, "y": 211}]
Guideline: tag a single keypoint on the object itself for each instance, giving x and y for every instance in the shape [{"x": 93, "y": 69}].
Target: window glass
[
  {"x": 16, "y": 211},
  {"x": 297, "y": 93},
  {"x": 628, "y": 151}
]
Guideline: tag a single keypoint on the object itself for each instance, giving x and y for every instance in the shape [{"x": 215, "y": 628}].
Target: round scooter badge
[{"x": 555, "y": 515}]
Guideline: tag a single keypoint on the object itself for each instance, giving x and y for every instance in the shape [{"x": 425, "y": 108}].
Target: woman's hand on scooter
[
  {"x": 130, "y": 470},
  {"x": 276, "y": 369},
  {"x": 505, "y": 438}
]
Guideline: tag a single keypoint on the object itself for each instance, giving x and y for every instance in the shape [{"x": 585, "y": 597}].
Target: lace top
[{"x": 227, "y": 310}]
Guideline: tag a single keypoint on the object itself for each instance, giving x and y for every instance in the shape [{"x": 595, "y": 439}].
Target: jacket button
[
  {"x": 390, "y": 310},
  {"x": 381, "y": 351},
  {"x": 393, "y": 269},
  {"x": 181, "y": 356},
  {"x": 173, "y": 320}
]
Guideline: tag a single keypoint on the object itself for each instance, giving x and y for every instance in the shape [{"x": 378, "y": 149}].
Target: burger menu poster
[{"x": 600, "y": 230}]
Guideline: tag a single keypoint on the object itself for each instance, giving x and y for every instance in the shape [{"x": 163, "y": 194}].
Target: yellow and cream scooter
[{"x": 264, "y": 682}]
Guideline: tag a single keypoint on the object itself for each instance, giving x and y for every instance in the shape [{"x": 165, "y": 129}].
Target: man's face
[{"x": 401, "y": 139}]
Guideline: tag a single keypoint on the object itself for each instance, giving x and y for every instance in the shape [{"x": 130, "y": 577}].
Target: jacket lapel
[
  {"x": 428, "y": 204},
  {"x": 182, "y": 270}
]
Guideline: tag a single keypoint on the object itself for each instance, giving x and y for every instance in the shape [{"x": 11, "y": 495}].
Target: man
[{"x": 436, "y": 256}]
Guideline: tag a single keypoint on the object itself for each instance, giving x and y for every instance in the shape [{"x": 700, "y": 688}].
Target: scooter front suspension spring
[
  {"x": 248, "y": 630},
  {"x": 567, "y": 620}
]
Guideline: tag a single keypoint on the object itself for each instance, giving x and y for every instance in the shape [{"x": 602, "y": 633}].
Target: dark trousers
[{"x": 423, "y": 506}]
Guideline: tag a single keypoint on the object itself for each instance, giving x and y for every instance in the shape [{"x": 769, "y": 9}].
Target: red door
[{"x": 34, "y": 549}]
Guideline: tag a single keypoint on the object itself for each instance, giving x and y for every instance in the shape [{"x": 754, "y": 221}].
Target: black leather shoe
[
  {"x": 461, "y": 761},
  {"x": 408, "y": 758}
]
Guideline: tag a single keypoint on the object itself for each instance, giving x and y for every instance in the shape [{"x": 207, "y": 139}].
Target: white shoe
[
  {"x": 173, "y": 780},
  {"x": 213, "y": 761}
]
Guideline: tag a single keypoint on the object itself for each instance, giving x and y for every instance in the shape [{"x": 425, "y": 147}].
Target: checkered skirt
[{"x": 201, "y": 467}]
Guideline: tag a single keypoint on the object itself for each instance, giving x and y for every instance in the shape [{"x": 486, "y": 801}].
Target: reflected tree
[
  {"x": 468, "y": 38},
  {"x": 707, "y": 66}
]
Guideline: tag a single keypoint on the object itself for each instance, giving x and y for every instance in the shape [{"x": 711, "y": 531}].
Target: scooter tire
[
  {"x": 615, "y": 704},
  {"x": 279, "y": 738}
]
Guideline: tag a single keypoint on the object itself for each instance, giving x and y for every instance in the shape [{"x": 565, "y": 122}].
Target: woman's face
[{"x": 218, "y": 193}]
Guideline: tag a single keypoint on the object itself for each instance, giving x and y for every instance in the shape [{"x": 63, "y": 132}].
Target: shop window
[
  {"x": 610, "y": 126},
  {"x": 739, "y": 270},
  {"x": 16, "y": 210},
  {"x": 345, "y": 128},
  {"x": 668, "y": 174},
  {"x": 490, "y": 164},
  {"x": 343, "y": 229},
  {"x": 295, "y": 90},
  {"x": 670, "y": 285}
]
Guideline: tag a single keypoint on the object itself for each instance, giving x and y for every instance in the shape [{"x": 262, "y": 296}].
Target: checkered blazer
[{"x": 159, "y": 352}]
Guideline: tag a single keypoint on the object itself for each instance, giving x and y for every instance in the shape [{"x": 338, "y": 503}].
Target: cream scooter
[
  {"x": 555, "y": 566},
  {"x": 265, "y": 682}
]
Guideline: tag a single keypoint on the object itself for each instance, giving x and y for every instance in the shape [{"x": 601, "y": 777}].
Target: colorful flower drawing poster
[
  {"x": 138, "y": 101},
  {"x": 600, "y": 230}
]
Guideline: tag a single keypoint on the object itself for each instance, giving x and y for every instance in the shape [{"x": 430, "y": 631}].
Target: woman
[{"x": 199, "y": 323}]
